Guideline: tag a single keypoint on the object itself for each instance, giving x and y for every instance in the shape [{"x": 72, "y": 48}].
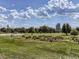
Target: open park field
[
  {"x": 39, "y": 29},
  {"x": 38, "y": 46}
]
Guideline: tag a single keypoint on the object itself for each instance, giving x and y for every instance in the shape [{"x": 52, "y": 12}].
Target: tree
[
  {"x": 74, "y": 32},
  {"x": 3, "y": 30},
  {"x": 31, "y": 30},
  {"x": 51, "y": 30},
  {"x": 77, "y": 28},
  {"x": 20, "y": 30},
  {"x": 66, "y": 28},
  {"x": 44, "y": 29},
  {"x": 58, "y": 28},
  {"x": 36, "y": 30}
]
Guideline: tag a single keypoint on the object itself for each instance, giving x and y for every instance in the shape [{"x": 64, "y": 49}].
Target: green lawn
[{"x": 21, "y": 48}]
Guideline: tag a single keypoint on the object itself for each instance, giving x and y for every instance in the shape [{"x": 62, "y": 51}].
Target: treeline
[
  {"x": 66, "y": 28},
  {"x": 42, "y": 29}
]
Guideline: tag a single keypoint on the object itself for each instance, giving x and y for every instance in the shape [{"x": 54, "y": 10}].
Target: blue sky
[
  {"x": 27, "y": 13},
  {"x": 20, "y": 4}
]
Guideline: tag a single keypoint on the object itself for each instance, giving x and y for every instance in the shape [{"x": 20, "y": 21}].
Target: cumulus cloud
[
  {"x": 20, "y": 14},
  {"x": 2, "y": 9},
  {"x": 53, "y": 8},
  {"x": 2, "y": 17},
  {"x": 61, "y": 4},
  {"x": 63, "y": 7},
  {"x": 75, "y": 15}
]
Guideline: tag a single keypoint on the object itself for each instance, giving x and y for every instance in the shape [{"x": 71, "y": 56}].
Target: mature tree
[
  {"x": 36, "y": 30},
  {"x": 51, "y": 30},
  {"x": 3, "y": 30},
  {"x": 44, "y": 29},
  {"x": 66, "y": 28},
  {"x": 58, "y": 28},
  {"x": 31, "y": 30},
  {"x": 20, "y": 30}
]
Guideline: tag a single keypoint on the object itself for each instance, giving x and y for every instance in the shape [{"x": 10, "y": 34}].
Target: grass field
[{"x": 19, "y": 47}]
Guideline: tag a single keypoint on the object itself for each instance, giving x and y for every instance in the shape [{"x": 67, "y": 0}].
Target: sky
[{"x": 35, "y": 13}]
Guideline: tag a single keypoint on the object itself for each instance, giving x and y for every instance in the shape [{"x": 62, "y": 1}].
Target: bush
[
  {"x": 28, "y": 37},
  {"x": 59, "y": 37},
  {"x": 23, "y": 36},
  {"x": 74, "y": 32}
]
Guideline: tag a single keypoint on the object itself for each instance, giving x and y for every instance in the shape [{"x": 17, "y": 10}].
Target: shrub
[
  {"x": 74, "y": 32},
  {"x": 35, "y": 37},
  {"x": 23, "y": 36},
  {"x": 59, "y": 38},
  {"x": 28, "y": 37}
]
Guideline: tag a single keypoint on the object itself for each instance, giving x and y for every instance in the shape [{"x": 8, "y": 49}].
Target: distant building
[{"x": 58, "y": 27}]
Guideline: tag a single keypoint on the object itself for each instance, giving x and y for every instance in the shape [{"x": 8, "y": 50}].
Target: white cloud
[
  {"x": 2, "y": 9},
  {"x": 19, "y": 14},
  {"x": 52, "y": 9},
  {"x": 62, "y": 4},
  {"x": 63, "y": 7},
  {"x": 3, "y": 17},
  {"x": 75, "y": 15},
  {"x": 14, "y": 13}
]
